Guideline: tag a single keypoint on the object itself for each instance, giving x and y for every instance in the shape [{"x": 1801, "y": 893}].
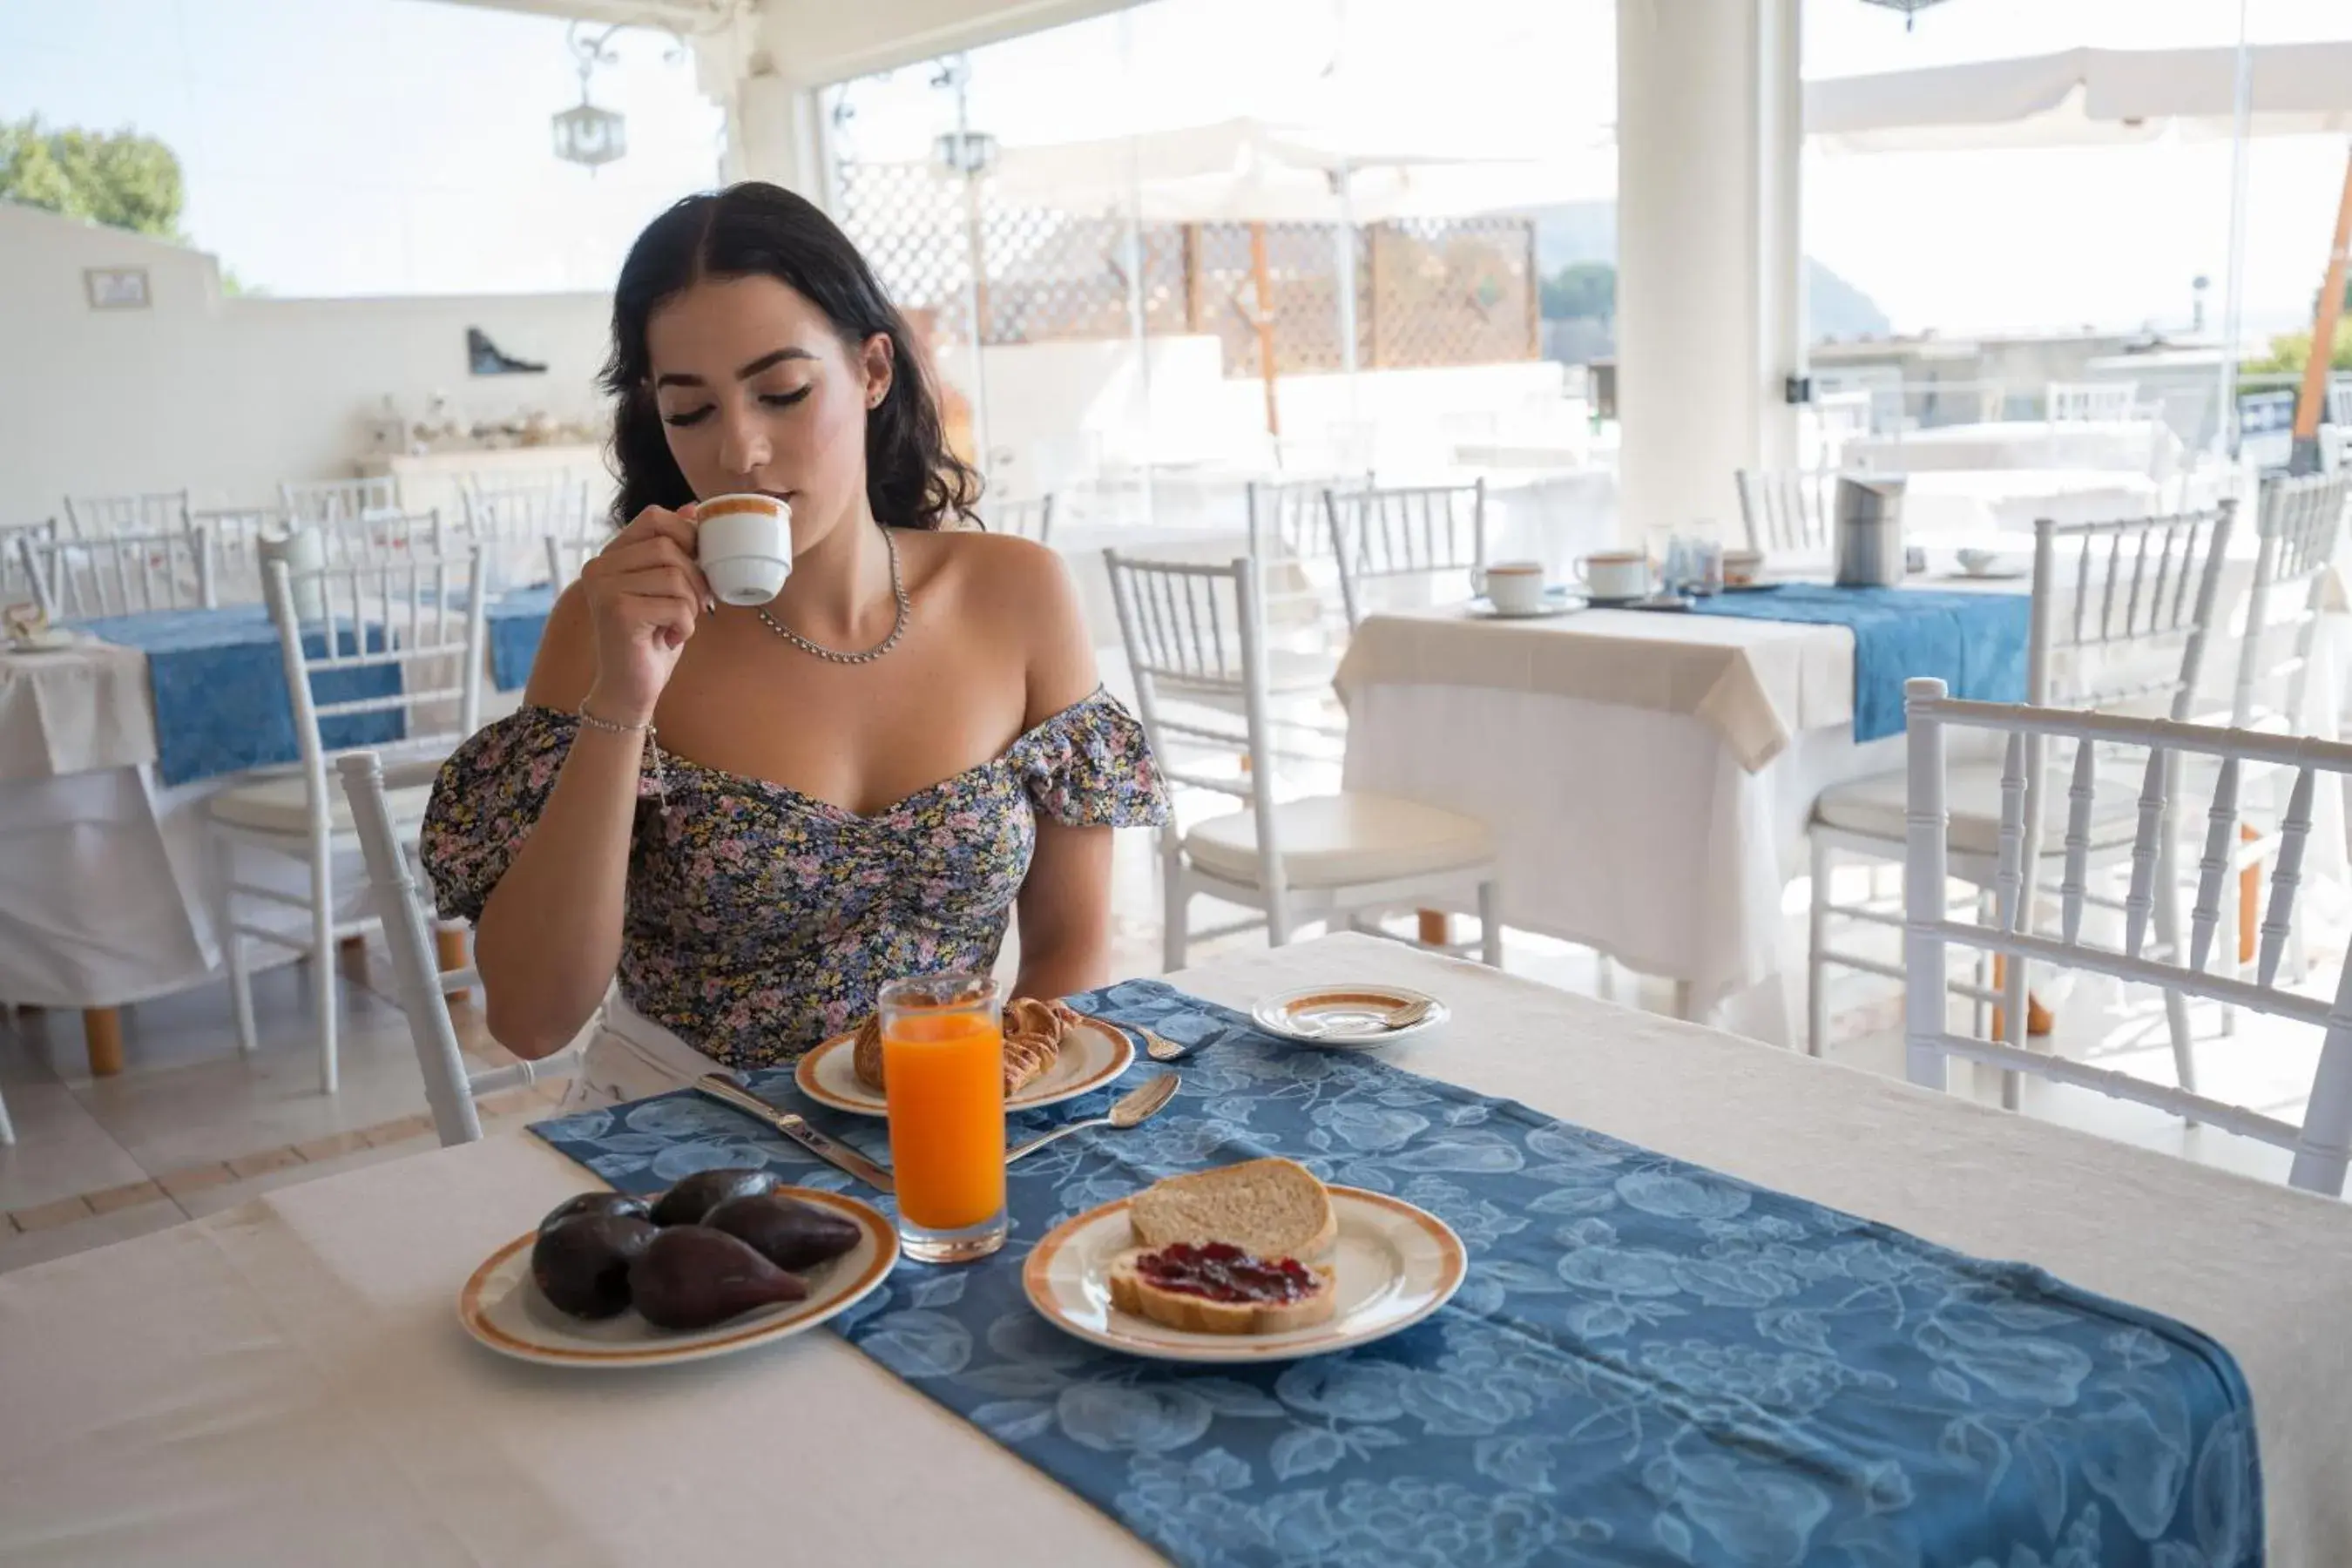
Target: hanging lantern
[
  {"x": 590, "y": 136},
  {"x": 1910, "y": 8}
]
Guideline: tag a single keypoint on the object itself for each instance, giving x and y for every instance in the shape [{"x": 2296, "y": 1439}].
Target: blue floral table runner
[
  {"x": 1649, "y": 1362},
  {"x": 218, "y": 680},
  {"x": 1973, "y": 643},
  {"x": 515, "y": 622}
]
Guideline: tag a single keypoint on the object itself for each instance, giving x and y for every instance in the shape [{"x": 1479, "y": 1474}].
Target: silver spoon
[
  {"x": 1396, "y": 1019},
  {"x": 1133, "y": 1108}
]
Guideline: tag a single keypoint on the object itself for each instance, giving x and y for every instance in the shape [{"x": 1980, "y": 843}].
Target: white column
[
  {"x": 773, "y": 127},
  {"x": 1709, "y": 296}
]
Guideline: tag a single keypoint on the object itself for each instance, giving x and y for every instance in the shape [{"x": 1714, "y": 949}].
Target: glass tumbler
[{"x": 943, "y": 1079}]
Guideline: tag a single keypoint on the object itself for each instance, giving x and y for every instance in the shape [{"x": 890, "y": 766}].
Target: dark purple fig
[
  {"x": 788, "y": 1233},
  {"x": 688, "y": 1202},
  {"x": 690, "y": 1277},
  {"x": 618, "y": 1206},
  {"x": 582, "y": 1265}
]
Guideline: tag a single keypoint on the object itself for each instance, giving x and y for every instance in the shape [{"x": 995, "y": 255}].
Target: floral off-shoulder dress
[{"x": 760, "y": 922}]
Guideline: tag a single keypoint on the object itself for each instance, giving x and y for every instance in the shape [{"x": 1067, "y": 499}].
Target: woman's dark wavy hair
[{"x": 912, "y": 479}]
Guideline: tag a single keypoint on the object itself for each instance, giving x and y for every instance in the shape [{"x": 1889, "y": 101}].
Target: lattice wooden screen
[{"x": 1428, "y": 292}]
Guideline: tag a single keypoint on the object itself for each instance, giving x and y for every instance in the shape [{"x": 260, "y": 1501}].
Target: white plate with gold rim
[
  {"x": 1092, "y": 1054},
  {"x": 1346, "y": 1017},
  {"x": 1395, "y": 1265},
  {"x": 501, "y": 1307}
]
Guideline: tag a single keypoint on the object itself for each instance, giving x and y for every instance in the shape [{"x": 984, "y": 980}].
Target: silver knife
[{"x": 841, "y": 1156}]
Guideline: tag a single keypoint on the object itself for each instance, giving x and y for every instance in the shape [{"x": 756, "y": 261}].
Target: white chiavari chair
[
  {"x": 16, "y": 579},
  {"x": 397, "y": 885},
  {"x": 2127, "y": 633},
  {"x": 2339, "y": 402},
  {"x": 334, "y": 501},
  {"x": 1031, "y": 519},
  {"x": 2323, "y": 1139},
  {"x": 156, "y": 512},
  {"x": 237, "y": 534},
  {"x": 2077, "y": 402},
  {"x": 119, "y": 574},
  {"x": 2300, "y": 525},
  {"x": 1417, "y": 532},
  {"x": 411, "y": 629},
  {"x": 1196, "y": 643},
  {"x": 565, "y": 557},
  {"x": 1290, "y": 538},
  {"x": 512, "y": 521},
  {"x": 1788, "y": 513}
]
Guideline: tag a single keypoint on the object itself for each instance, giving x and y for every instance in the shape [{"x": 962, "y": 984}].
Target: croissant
[{"x": 1033, "y": 1033}]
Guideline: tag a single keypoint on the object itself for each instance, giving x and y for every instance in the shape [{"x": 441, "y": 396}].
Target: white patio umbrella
[{"x": 2083, "y": 96}]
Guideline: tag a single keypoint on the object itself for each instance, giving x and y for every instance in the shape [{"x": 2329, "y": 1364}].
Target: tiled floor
[{"x": 192, "y": 1127}]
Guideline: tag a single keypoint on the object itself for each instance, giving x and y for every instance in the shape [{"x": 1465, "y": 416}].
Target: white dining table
[
  {"x": 287, "y": 1381},
  {"x": 1649, "y": 777}
]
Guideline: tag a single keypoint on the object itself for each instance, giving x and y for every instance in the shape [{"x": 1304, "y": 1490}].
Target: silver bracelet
[{"x": 653, "y": 748}]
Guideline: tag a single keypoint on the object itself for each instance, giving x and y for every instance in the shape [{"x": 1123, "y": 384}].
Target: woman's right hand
[{"x": 646, "y": 594}]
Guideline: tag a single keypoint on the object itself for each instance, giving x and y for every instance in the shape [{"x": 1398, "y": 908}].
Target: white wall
[{"x": 227, "y": 396}]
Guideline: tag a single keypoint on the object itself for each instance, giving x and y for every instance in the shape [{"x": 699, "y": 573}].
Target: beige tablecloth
[
  {"x": 286, "y": 1382},
  {"x": 74, "y": 710},
  {"x": 1756, "y": 683}
]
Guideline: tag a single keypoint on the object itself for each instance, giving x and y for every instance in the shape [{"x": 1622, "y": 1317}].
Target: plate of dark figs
[{"x": 722, "y": 1262}]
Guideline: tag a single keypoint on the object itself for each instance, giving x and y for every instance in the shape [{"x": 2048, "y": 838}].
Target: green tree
[
  {"x": 118, "y": 178},
  {"x": 1586, "y": 290},
  {"x": 2289, "y": 354}
]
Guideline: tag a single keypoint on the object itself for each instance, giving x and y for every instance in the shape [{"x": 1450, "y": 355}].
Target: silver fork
[{"x": 1159, "y": 1047}]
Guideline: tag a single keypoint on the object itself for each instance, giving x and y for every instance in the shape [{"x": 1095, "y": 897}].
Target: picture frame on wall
[{"x": 116, "y": 288}]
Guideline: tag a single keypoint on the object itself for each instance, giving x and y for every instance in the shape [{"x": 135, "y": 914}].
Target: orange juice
[{"x": 944, "y": 1078}]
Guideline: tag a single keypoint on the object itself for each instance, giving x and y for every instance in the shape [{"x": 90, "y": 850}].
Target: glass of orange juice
[{"x": 943, "y": 1078}]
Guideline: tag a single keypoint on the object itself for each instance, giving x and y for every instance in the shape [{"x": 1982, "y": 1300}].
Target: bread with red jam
[{"x": 1241, "y": 1249}]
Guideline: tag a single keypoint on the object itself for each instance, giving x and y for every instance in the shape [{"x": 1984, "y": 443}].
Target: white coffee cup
[
  {"x": 1516, "y": 587},
  {"x": 744, "y": 546},
  {"x": 1615, "y": 573}
]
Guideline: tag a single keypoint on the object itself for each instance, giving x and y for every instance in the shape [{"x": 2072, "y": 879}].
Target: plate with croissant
[{"x": 1051, "y": 1055}]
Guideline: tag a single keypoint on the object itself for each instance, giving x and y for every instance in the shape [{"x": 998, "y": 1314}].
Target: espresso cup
[
  {"x": 1742, "y": 567},
  {"x": 1615, "y": 574},
  {"x": 744, "y": 546},
  {"x": 1516, "y": 587}
]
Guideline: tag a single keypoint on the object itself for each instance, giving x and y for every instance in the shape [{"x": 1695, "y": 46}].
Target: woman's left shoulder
[{"x": 999, "y": 572}]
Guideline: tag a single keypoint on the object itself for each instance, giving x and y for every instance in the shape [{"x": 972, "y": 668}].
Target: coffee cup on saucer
[
  {"x": 1742, "y": 567},
  {"x": 1516, "y": 587},
  {"x": 1615, "y": 573},
  {"x": 744, "y": 546}
]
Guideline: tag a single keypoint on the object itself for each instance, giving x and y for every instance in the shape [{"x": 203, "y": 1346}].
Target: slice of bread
[
  {"x": 1273, "y": 1208},
  {"x": 1132, "y": 1293}
]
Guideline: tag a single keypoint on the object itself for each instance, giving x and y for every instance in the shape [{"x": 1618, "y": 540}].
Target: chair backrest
[
  {"x": 1290, "y": 519},
  {"x": 1786, "y": 512},
  {"x": 118, "y": 575},
  {"x": 2074, "y": 401},
  {"x": 236, "y": 535},
  {"x": 1420, "y": 531},
  {"x": 397, "y": 888},
  {"x": 337, "y": 500},
  {"x": 1195, "y": 641},
  {"x": 157, "y": 511},
  {"x": 17, "y": 580},
  {"x": 565, "y": 557},
  {"x": 513, "y": 519},
  {"x": 398, "y": 643},
  {"x": 386, "y": 537},
  {"x": 2122, "y": 610},
  {"x": 2300, "y": 523},
  {"x": 1031, "y": 519},
  {"x": 2323, "y": 1141}
]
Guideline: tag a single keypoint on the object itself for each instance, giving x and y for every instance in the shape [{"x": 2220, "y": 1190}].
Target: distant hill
[{"x": 1587, "y": 231}]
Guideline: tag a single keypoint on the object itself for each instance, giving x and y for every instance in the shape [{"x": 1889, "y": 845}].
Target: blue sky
[{"x": 377, "y": 146}]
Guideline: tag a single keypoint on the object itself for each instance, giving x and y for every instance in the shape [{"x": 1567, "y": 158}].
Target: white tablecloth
[
  {"x": 73, "y": 709},
  {"x": 2144, "y": 446},
  {"x": 1649, "y": 777},
  {"x": 287, "y": 1383}
]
